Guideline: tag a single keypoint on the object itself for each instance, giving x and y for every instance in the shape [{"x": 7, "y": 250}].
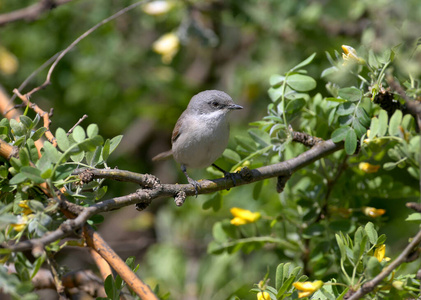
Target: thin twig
[
  {"x": 75, "y": 42},
  {"x": 32, "y": 12},
  {"x": 77, "y": 123}
]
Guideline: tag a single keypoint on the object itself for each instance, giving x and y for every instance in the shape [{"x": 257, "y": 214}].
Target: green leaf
[
  {"x": 275, "y": 93},
  {"x": 231, "y": 156},
  {"x": 246, "y": 142},
  {"x": 276, "y": 80},
  {"x": 295, "y": 106},
  {"x": 383, "y": 120},
  {"x": 92, "y": 130},
  {"x": 214, "y": 202},
  {"x": 259, "y": 136},
  {"x": 18, "y": 178},
  {"x": 302, "y": 83},
  {"x": 96, "y": 156},
  {"x": 51, "y": 152},
  {"x": 304, "y": 62},
  {"x": 115, "y": 141},
  {"x": 90, "y": 144},
  {"x": 394, "y": 123},
  {"x": 414, "y": 217},
  {"x": 257, "y": 189},
  {"x": 389, "y": 166},
  {"x": 371, "y": 233},
  {"x": 105, "y": 153},
  {"x": 26, "y": 121},
  {"x": 38, "y": 134},
  {"x": 373, "y": 267},
  {"x": 341, "y": 246},
  {"x": 36, "y": 206},
  {"x": 109, "y": 286},
  {"x": 18, "y": 129},
  {"x": 363, "y": 117},
  {"x": 62, "y": 139},
  {"x": 78, "y": 157},
  {"x": 408, "y": 122},
  {"x": 24, "y": 157},
  {"x": 374, "y": 128},
  {"x": 37, "y": 265},
  {"x": 338, "y": 100},
  {"x": 350, "y": 142},
  {"x": 340, "y": 134},
  {"x": 33, "y": 174},
  {"x": 16, "y": 163},
  {"x": 351, "y": 94},
  {"x": 345, "y": 109},
  {"x": 78, "y": 134}
]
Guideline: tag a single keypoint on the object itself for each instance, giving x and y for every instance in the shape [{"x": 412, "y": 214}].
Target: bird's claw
[{"x": 195, "y": 184}]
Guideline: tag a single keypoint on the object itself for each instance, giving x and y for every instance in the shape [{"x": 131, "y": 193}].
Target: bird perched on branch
[{"x": 201, "y": 133}]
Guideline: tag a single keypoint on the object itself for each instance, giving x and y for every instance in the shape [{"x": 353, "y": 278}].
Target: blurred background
[{"x": 135, "y": 75}]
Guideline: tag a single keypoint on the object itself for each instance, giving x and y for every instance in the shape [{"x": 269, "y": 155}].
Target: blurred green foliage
[{"x": 248, "y": 49}]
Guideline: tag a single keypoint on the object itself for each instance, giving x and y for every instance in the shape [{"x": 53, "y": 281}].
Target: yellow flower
[
  {"x": 373, "y": 212},
  {"x": 368, "y": 168},
  {"x": 243, "y": 165},
  {"x": 307, "y": 288},
  {"x": 263, "y": 296},
  {"x": 167, "y": 45},
  {"x": 156, "y": 8},
  {"x": 26, "y": 210},
  {"x": 8, "y": 62},
  {"x": 243, "y": 216},
  {"x": 350, "y": 56},
  {"x": 22, "y": 220},
  {"x": 380, "y": 252}
]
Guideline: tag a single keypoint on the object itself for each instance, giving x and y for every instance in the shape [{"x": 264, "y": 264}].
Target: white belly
[{"x": 201, "y": 142}]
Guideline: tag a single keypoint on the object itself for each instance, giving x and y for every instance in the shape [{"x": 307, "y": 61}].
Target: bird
[{"x": 201, "y": 133}]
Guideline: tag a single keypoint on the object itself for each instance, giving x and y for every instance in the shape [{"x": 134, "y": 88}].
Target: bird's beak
[{"x": 235, "y": 106}]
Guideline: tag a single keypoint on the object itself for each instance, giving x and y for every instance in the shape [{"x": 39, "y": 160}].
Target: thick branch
[
  {"x": 32, "y": 12},
  {"x": 95, "y": 241},
  {"x": 146, "y": 196},
  {"x": 403, "y": 257}
]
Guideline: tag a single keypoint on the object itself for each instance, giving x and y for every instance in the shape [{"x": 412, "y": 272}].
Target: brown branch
[
  {"x": 43, "y": 114},
  {"x": 32, "y": 12},
  {"x": 81, "y": 37},
  {"x": 405, "y": 256},
  {"x": 103, "y": 266},
  {"x": 95, "y": 241},
  {"x": 8, "y": 151},
  {"x": 146, "y": 196},
  {"x": 77, "y": 123}
]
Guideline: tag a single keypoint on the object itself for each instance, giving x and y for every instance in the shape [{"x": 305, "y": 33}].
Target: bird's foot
[{"x": 195, "y": 184}]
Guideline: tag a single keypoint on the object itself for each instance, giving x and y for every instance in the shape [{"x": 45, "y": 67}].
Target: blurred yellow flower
[
  {"x": 243, "y": 216},
  {"x": 380, "y": 253},
  {"x": 368, "y": 168},
  {"x": 263, "y": 296},
  {"x": 8, "y": 62},
  {"x": 246, "y": 163},
  {"x": 373, "y": 212},
  {"x": 167, "y": 45},
  {"x": 350, "y": 56},
  {"x": 156, "y": 8},
  {"x": 22, "y": 220},
  {"x": 307, "y": 288},
  {"x": 26, "y": 210}
]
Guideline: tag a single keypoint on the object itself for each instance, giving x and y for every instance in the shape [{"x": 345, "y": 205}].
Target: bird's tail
[{"x": 162, "y": 156}]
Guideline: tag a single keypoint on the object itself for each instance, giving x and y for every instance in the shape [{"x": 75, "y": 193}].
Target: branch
[
  {"x": 95, "y": 241},
  {"x": 178, "y": 191},
  {"x": 405, "y": 256},
  {"x": 32, "y": 12}
]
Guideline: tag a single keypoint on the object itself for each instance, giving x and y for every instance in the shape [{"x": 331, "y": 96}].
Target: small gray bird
[{"x": 201, "y": 133}]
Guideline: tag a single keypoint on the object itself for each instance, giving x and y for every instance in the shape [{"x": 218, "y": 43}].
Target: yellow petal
[
  {"x": 308, "y": 286},
  {"x": 380, "y": 252},
  {"x": 167, "y": 46},
  {"x": 26, "y": 210},
  {"x": 304, "y": 294},
  {"x": 263, "y": 296},
  {"x": 245, "y": 214},
  {"x": 238, "y": 221},
  {"x": 373, "y": 212},
  {"x": 368, "y": 168}
]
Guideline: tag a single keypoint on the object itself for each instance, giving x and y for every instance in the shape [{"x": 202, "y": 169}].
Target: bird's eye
[{"x": 215, "y": 104}]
